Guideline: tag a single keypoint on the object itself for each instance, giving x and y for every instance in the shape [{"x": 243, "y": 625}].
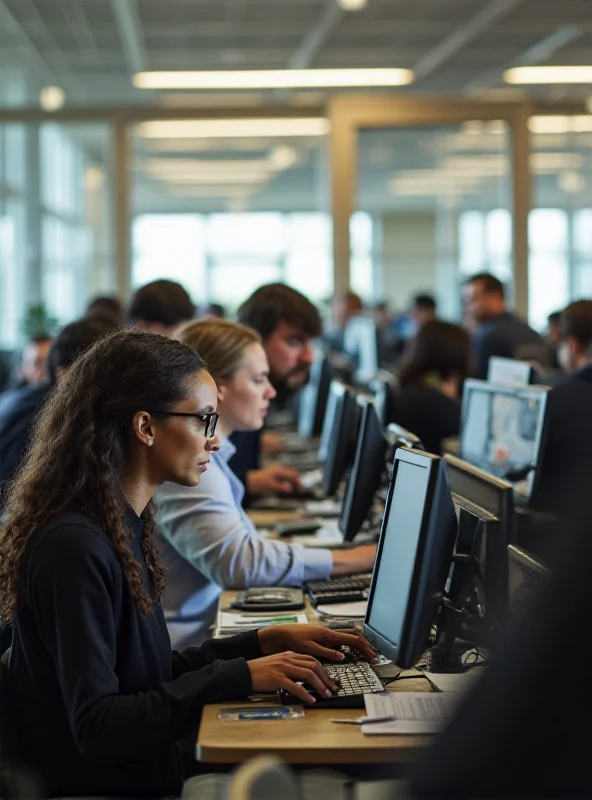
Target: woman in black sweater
[
  {"x": 431, "y": 381},
  {"x": 100, "y": 700}
]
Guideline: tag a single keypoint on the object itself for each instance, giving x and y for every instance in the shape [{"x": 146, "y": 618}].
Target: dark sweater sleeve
[
  {"x": 244, "y": 645},
  {"x": 72, "y": 585}
]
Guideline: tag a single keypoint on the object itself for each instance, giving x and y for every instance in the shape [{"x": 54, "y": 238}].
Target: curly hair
[{"x": 80, "y": 447}]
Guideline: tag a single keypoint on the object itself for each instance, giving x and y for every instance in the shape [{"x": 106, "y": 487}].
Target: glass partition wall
[{"x": 386, "y": 194}]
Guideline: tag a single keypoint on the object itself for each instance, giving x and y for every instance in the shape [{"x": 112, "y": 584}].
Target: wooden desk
[{"x": 311, "y": 740}]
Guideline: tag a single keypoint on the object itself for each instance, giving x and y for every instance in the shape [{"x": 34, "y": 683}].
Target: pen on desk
[
  {"x": 269, "y": 620},
  {"x": 362, "y": 720}
]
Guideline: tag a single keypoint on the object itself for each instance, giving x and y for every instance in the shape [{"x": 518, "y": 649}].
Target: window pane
[
  {"x": 471, "y": 242},
  {"x": 583, "y": 232},
  {"x": 170, "y": 246},
  {"x": 231, "y": 283},
  {"x": 246, "y": 234},
  {"x": 548, "y": 286},
  {"x": 547, "y": 230},
  {"x": 499, "y": 234}
]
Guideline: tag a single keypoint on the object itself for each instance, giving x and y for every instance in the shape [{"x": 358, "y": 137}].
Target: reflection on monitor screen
[{"x": 502, "y": 428}]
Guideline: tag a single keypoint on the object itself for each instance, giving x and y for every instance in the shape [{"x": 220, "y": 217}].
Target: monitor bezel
[
  {"x": 336, "y": 389},
  {"x": 339, "y": 448},
  {"x": 422, "y": 604},
  {"x": 366, "y": 406}
]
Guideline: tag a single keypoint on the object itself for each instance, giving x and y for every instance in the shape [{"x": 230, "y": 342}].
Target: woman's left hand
[{"x": 313, "y": 640}]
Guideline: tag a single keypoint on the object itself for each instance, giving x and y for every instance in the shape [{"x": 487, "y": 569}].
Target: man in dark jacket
[
  {"x": 497, "y": 331},
  {"x": 567, "y": 450}
]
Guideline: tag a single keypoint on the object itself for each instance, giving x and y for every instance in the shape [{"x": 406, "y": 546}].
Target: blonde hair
[{"x": 220, "y": 343}]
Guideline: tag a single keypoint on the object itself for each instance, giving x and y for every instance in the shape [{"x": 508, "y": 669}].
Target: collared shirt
[{"x": 209, "y": 543}]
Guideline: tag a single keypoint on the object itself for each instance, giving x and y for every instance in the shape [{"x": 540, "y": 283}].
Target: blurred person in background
[
  {"x": 553, "y": 337},
  {"x": 288, "y": 324},
  {"x": 431, "y": 379},
  {"x": 423, "y": 310},
  {"x": 106, "y": 307},
  {"x": 160, "y": 307},
  {"x": 344, "y": 306},
  {"x": 497, "y": 332},
  {"x": 518, "y": 732},
  {"x": 32, "y": 369},
  {"x": 20, "y": 406},
  {"x": 210, "y": 542},
  {"x": 567, "y": 446},
  {"x": 211, "y": 310}
]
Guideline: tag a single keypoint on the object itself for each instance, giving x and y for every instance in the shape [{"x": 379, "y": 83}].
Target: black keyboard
[
  {"x": 354, "y": 681},
  {"x": 348, "y": 589}
]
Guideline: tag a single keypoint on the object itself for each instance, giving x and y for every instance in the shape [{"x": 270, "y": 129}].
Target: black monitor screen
[
  {"x": 334, "y": 398},
  {"x": 341, "y": 442},
  {"x": 527, "y": 576},
  {"x": 313, "y": 399},
  {"x": 413, "y": 559},
  {"x": 367, "y": 470},
  {"x": 502, "y": 428},
  {"x": 396, "y": 565}
]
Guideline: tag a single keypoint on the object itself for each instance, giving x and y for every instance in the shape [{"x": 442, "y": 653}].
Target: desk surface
[{"x": 310, "y": 740}]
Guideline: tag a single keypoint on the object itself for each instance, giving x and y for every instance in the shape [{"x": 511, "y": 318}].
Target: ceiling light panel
[
  {"x": 548, "y": 75},
  {"x": 285, "y": 127},
  {"x": 274, "y": 79}
]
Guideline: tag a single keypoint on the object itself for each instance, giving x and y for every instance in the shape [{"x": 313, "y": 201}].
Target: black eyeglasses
[{"x": 209, "y": 419}]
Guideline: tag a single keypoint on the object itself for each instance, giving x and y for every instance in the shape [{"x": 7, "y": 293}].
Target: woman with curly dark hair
[{"x": 100, "y": 700}]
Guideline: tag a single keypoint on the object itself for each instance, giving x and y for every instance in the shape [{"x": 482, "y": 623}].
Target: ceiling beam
[
  {"x": 53, "y": 56},
  {"x": 331, "y": 16},
  {"x": 536, "y": 54},
  {"x": 36, "y": 61},
  {"x": 130, "y": 32},
  {"x": 462, "y": 36}
]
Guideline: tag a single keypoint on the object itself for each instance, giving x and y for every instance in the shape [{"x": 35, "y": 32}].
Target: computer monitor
[
  {"x": 509, "y": 372},
  {"x": 485, "y": 510},
  {"x": 333, "y": 398},
  {"x": 367, "y": 470},
  {"x": 313, "y": 398},
  {"x": 383, "y": 391},
  {"x": 360, "y": 342},
  {"x": 398, "y": 436},
  {"x": 526, "y": 576},
  {"x": 502, "y": 430},
  {"x": 413, "y": 558},
  {"x": 341, "y": 443}
]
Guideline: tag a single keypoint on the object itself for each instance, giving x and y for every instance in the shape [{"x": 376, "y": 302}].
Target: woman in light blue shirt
[{"x": 208, "y": 541}]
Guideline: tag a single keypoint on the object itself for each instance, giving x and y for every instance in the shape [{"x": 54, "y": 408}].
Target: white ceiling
[{"x": 92, "y": 47}]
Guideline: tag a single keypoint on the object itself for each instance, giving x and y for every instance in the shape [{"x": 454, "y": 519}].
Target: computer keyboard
[
  {"x": 354, "y": 681},
  {"x": 349, "y": 589}
]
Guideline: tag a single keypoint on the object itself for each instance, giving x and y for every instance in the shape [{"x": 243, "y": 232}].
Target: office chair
[{"x": 263, "y": 778}]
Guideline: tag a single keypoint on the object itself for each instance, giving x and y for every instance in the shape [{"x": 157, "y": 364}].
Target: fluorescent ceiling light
[
  {"x": 204, "y": 167},
  {"x": 352, "y": 5},
  {"x": 199, "y": 190},
  {"x": 52, "y": 98},
  {"x": 282, "y": 157},
  {"x": 525, "y": 75},
  {"x": 578, "y": 123},
  {"x": 571, "y": 182},
  {"x": 554, "y": 162},
  {"x": 274, "y": 78},
  {"x": 231, "y": 128},
  {"x": 215, "y": 180}
]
